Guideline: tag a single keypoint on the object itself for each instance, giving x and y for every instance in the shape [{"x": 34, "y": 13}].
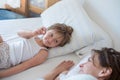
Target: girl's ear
[{"x": 105, "y": 72}]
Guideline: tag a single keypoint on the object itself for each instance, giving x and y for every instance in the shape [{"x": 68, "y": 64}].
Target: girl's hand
[{"x": 39, "y": 31}]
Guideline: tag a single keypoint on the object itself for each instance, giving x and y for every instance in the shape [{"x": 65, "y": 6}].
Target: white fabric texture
[
  {"x": 81, "y": 77},
  {"x": 105, "y": 40},
  {"x": 85, "y": 33},
  {"x": 22, "y": 49},
  {"x": 76, "y": 77},
  {"x": 13, "y": 3},
  {"x": 4, "y": 55},
  {"x": 40, "y": 79}
]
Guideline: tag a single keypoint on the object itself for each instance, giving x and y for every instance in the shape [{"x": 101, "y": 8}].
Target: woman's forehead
[
  {"x": 96, "y": 61},
  {"x": 95, "y": 56}
]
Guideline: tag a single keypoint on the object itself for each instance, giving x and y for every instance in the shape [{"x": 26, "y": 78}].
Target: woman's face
[
  {"x": 52, "y": 38},
  {"x": 92, "y": 66}
]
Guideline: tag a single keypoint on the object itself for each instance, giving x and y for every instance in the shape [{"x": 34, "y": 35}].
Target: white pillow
[{"x": 71, "y": 13}]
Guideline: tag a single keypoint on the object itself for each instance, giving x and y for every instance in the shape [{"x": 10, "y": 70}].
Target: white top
[
  {"x": 22, "y": 50},
  {"x": 77, "y": 77},
  {"x": 81, "y": 77}
]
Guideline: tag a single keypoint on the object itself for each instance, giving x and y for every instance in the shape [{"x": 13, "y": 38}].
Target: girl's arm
[
  {"x": 36, "y": 60},
  {"x": 26, "y": 34},
  {"x": 30, "y": 34}
]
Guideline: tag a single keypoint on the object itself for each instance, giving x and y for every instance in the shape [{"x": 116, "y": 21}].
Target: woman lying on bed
[
  {"x": 31, "y": 50},
  {"x": 102, "y": 65}
]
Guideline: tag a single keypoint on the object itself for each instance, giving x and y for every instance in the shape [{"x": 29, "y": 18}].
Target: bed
[{"x": 91, "y": 30}]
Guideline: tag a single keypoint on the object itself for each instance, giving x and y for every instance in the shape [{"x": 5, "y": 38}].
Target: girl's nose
[{"x": 50, "y": 40}]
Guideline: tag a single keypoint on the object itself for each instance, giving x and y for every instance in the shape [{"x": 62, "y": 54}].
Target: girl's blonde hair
[{"x": 64, "y": 30}]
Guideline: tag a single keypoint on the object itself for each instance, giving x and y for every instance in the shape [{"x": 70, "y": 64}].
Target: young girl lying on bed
[
  {"x": 31, "y": 50},
  {"x": 102, "y": 65}
]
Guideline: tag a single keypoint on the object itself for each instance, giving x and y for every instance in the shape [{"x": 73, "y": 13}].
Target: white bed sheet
[
  {"x": 12, "y": 26},
  {"x": 38, "y": 71}
]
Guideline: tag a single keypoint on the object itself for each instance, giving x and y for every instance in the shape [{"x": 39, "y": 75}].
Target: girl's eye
[{"x": 56, "y": 41}]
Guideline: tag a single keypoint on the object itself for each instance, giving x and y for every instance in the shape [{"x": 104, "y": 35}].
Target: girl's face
[
  {"x": 92, "y": 66},
  {"x": 52, "y": 38}
]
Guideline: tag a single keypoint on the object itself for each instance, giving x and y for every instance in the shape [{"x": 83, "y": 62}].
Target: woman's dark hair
[
  {"x": 64, "y": 30},
  {"x": 110, "y": 58}
]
